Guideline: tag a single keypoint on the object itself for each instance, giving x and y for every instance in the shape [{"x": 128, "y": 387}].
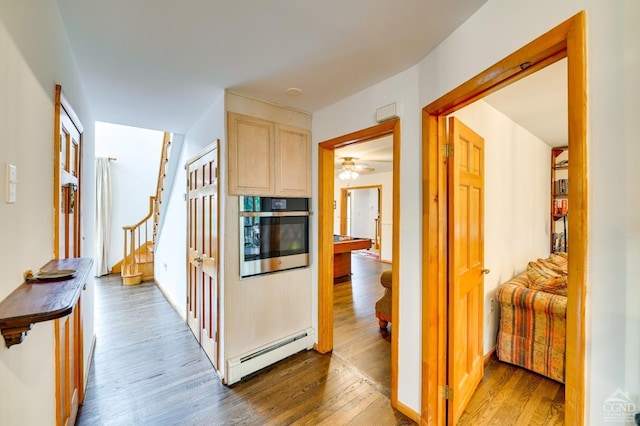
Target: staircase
[{"x": 140, "y": 239}]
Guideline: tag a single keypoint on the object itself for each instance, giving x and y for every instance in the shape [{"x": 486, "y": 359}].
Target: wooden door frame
[
  {"x": 567, "y": 40},
  {"x": 62, "y": 103},
  {"x": 326, "y": 167},
  {"x": 343, "y": 206}
]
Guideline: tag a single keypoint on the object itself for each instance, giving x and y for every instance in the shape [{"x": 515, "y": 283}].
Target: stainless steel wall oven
[{"x": 274, "y": 234}]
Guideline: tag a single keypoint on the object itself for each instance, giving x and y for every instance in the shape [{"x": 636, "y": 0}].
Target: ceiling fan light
[{"x": 348, "y": 174}]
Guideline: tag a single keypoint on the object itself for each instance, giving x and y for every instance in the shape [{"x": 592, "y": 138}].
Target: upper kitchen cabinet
[
  {"x": 251, "y": 155},
  {"x": 292, "y": 162},
  {"x": 269, "y": 149}
]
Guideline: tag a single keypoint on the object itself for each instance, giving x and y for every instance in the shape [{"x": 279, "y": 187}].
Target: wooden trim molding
[
  {"x": 565, "y": 40},
  {"x": 325, "y": 244}
]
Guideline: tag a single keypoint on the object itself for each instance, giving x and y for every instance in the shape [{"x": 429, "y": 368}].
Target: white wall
[
  {"x": 496, "y": 30},
  {"x": 365, "y": 179},
  {"x": 34, "y": 56},
  {"x": 517, "y": 194},
  {"x": 134, "y": 176},
  {"x": 358, "y": 112},
  {"x": 632, "y": 195},
  {"x": 171, "y": 252}
]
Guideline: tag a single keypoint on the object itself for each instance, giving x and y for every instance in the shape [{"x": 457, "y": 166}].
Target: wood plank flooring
[
  {"x": 358, "y": 339},
  {"x": 510, "y": 395},
  {"x": 148, "y": 369}
]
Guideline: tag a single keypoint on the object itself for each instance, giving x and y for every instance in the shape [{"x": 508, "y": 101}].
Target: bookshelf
[{"x": 559, "y": 198}]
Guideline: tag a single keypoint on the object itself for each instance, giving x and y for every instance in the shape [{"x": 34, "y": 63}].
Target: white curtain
[{"x": 103, "y": 215}]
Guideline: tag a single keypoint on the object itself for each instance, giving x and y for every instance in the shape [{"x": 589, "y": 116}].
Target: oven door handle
[{"x": 273, "y": 214}]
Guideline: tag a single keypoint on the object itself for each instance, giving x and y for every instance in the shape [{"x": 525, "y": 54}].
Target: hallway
[{"x": 149, "y": 370}]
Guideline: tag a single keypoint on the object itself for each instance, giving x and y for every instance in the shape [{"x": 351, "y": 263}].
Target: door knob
[{"x": 485, "y": 271}]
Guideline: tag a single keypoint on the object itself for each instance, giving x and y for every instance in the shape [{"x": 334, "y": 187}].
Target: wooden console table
[{"x": 37, "y": 301}]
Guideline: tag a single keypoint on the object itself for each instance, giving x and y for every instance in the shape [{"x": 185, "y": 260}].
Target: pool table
[{"x": 342, "y": 248}]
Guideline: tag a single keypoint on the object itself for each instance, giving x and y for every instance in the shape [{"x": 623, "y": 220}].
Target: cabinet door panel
[
  {"x": 293, "y": 161},
  {"x": 251, "y": 148}
]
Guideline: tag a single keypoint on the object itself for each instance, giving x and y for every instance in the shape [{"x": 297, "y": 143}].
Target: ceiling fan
[{"x": 350, "y": 170}]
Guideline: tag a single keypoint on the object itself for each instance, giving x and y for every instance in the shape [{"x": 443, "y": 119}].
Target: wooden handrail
[
  {"x": 136, "y": 245},
  {"x": 147, "y": 217}
]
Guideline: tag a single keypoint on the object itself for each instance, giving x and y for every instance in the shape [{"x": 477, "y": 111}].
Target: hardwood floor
[
  {"x": 510, "y": 395},
  {"x": 358, "y": 339},
  {"x": 148, "y": 369}
]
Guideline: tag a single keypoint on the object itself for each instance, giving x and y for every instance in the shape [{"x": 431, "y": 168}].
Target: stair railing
[
  {"x": 162, "y": 174},
  {"x": 140, "y": 239},
  {"x": 136, "y": 242}
]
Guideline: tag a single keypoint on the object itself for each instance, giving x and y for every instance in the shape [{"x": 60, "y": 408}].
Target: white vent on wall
[
  {"x": 387, "y": 112},
  {"x": 243, "y": 365}
]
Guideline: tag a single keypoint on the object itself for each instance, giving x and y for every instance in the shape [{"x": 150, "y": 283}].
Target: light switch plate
[{"x": 11, "y": 184}]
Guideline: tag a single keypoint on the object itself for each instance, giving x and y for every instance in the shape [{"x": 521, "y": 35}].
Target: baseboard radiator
[{"x": 243, "y": 365}]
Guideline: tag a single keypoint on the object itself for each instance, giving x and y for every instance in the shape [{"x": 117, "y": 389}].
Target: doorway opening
[
  {"x": 567, "y": 40},
  {"x": 361, "y": 215},
  {"x": 326, "y": 226}
]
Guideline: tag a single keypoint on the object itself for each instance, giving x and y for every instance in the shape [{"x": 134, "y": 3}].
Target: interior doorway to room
[
  {"x": 511, "y": 130},
  {"x": 565, "y": 41},
  {"x": 360, "y": 214},
  {"x": 327, "y": 226}
]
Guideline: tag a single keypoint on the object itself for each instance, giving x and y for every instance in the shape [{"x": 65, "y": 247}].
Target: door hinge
[
  {"x": 215, "y": 339},
  {"x": 447, "y": 150},
  {"x": 447, "y": 392}
]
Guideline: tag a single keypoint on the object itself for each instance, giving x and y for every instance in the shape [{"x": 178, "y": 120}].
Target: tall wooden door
[
  {"x": 67, "y": 166},
  {"x": 68, "y": 332},
  {"x": 202, "y": 250},
  {"x": 465, "y": 168}
]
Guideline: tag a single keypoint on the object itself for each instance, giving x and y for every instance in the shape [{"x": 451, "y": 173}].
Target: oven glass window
[{"x": 267, "y": 237}]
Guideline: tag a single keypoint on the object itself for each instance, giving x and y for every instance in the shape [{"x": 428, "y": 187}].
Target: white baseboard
[{"x": 174, "y": 305}]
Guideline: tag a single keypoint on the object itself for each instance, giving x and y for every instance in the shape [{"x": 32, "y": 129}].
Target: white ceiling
[
  {"x": 538, "y": 103},
  {"x": 377, "y": 153},
  {"x": 160, "y": 64}
]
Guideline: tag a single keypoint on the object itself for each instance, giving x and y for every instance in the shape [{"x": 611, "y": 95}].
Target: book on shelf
[{"x": 561, "y": 187}]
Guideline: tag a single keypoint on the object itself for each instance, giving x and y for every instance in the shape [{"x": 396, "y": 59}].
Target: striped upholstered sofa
[{"x": 532, "y": 331}]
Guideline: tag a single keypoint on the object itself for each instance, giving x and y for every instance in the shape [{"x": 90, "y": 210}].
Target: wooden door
[
  {"x": 69, "y": 365},
  {"x": 67, "y": 188},
  {"x": 202, "y": 250},
  {"x": 68, "y": 333},
  {"x": 465, "y": 168}
]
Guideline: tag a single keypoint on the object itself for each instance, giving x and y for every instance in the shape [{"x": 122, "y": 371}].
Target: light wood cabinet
[{"x": 267, "y": 158}]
